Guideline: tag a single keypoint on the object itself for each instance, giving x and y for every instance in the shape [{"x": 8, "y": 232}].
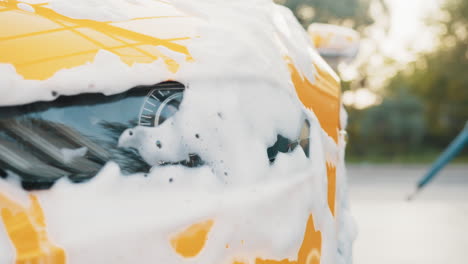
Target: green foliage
[
  {"x": 353, "y": 13},
  {"x": 440, "y": 78},
  {"x": 393, "y": 127},
  {"x": 426, "y": 104}
]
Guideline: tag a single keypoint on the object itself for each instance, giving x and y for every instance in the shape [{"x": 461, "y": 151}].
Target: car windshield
[{"x": 74, "y": 136}]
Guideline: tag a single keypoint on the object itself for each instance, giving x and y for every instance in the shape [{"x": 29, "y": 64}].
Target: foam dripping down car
[{"x": 168, "y": 132}]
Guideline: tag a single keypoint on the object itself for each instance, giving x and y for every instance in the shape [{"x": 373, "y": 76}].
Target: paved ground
[{"x": 432, "y": 229}]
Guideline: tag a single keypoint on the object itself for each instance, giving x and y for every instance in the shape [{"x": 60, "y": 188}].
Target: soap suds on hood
[{"x": 239, "y": 98}]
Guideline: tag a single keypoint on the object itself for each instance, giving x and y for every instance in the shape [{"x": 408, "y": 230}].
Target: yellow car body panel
[
  {"x": 41, "y": 43},
  {"x": 51, "y": 42}
]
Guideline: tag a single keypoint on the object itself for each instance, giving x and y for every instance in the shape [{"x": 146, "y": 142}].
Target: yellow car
[{"x": 159, "y": 131}]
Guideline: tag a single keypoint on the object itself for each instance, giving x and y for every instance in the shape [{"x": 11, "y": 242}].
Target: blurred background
[{"x": 406, "y": 94}]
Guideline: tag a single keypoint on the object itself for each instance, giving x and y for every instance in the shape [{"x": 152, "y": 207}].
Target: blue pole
[{"x": 451, "y": 152}]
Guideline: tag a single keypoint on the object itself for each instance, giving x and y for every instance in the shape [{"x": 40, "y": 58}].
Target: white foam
[
  {"x": 26, "y": 7},
  {"x": 239, "y": 98}
]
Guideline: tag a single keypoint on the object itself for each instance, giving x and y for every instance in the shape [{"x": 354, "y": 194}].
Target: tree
[
  {"x": 352, "y": 13},
  {"x": 394, "y": 127},
  {"x": 424, "y": 105},
  {"x": 439, "y": 78}
]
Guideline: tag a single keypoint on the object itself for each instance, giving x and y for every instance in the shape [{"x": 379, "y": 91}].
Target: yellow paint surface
[
  {"x": 311, "y": 246},
  {"x": 321, "y": 41},
  {"x": 190, "y": 242},
  {"x": 50, "y": 42},
  {"x": 268, "y": 261},
  {"x": 26, "y": 228},
  {"x": 322, "y": 96},
  {"x": 331, "y": 175},
  {"x": 41, "y": 43},
  {"x": 310, "y": 251}
]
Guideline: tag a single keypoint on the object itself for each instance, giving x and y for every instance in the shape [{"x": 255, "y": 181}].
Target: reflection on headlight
[{"x": 75, "y": 136}]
